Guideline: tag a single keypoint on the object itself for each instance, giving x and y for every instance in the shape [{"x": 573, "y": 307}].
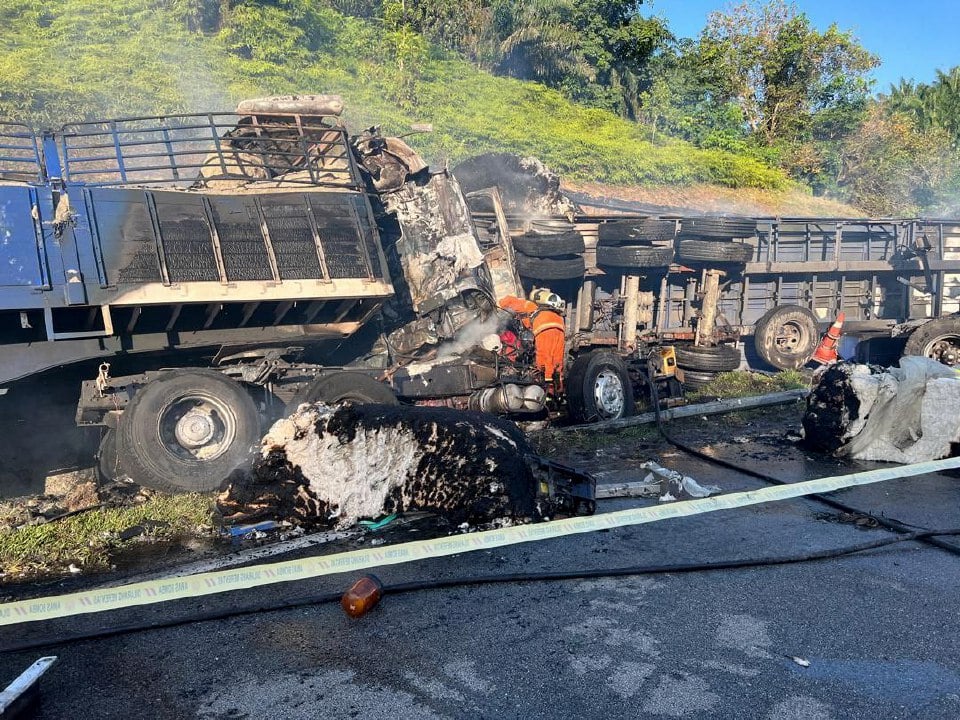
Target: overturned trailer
[{"x": 638, "y": 278}]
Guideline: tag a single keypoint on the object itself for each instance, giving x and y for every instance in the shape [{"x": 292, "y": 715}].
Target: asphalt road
[{"x": 879, "y": 630}]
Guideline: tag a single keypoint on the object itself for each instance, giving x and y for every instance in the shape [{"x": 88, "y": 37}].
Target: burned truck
[
  {"x": 278, "y": 237},
  {"x": 641, "y": 277}
]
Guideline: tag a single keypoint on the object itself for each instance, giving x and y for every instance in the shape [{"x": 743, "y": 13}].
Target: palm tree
[{"x": 542, "y": 44}]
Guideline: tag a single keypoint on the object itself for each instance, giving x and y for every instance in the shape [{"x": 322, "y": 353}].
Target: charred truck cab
[{"x": 269, "y": 232}]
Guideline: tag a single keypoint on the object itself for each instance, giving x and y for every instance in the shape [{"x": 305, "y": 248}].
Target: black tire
[
  {"x": 108, "y": 461},
  {"x": 634, "y": 256},
  {"x": 786, "y": 336},
  {"x": 717, "y": 228},
  {"x": 635, "y": 232},
  {"x": 695, "y": 379},
  {"x": 550, "y": 268},
  {"x": 599, "y": 388},
  {"x": 938, "y": 340},
  {"x": 722, "y": 358},
  {"x": 343, "y": 387},
  {"x": 545, "y": 246},
  {"x": 716, "y": 252},
  {"x": 150, "y": 433}
]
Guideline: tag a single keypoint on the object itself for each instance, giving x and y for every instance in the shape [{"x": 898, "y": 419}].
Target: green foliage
[
  {"x": 81, "y": 59},
  {"x": 738, "y": 384},
  {"x": 933, "y": 106},
  {"x": 779, "y": 69},
  {"x": 88, "y": 539},
  {"x": 892, "y": 166}
]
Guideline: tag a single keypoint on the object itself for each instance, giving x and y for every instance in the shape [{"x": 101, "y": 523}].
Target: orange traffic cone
[{"x": 826, "y": 352}]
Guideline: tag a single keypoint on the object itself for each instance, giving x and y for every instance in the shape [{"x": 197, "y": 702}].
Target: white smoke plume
[{"x": 470, "y": 336}]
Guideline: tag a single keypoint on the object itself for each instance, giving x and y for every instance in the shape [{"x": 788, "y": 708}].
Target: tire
[
  {"x": 599, "y": 388},
  {"x": 717, "y": 228},
  {"x": 938, "y": 340},
  {"x": 151, "y": 432},
  {"x": 712, "y": 251},
  {"x": 722, "y": 358},
  {"x": 695, "y": 379},
  {"x": 634, "y": 256},
  {"x": 545, "y": 246},
  {"x": 108, "y": 461},
  {"x": 635, "y": 232},
  {"x": 786, "y": 336},
  {"x": 550, "y": 268},
  {"x": 342, "y": 387},
  {"x": 551, "y": 226}
]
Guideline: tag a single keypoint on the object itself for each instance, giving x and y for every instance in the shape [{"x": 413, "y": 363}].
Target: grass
[
  {"x": 746, "y": 384},
  {"x": 555, "y": 442},
  {"x": 89, "y": 540},
  {"x": 85, "y": 58}
]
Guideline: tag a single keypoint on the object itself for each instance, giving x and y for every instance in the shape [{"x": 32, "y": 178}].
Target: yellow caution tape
[{"x": 209, "y": 583}]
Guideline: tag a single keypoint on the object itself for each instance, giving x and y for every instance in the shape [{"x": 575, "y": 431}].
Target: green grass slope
[{"x": 111, "y": 58}]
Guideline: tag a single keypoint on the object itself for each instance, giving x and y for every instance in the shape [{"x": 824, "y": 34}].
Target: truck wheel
[
  {"x": 713, "y": 251},
  {"x": 108, "y": 461},
  {"x": 568, "y": 243},
  {"x": 552, "y": 226},
  {"x": 599, "y": 388},
  {"x": 635, "y": 232},
  {"x": 537, "y": 268},
  {"x": 186, "y": 431},
  {"x": 696, "y": 379},
  {"x": 634, "y": 256},
  {"x": 717, "y": 228},
  {"x": 345, "y": 386},
  {"x": 938, "y": 340},
  {"x": 786, "y": 336},
  {"x": 722, "y": 358}
]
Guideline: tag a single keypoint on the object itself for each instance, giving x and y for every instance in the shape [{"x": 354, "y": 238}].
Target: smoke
[
  {"x": 527, "y": 186},
  {"x": 469, "y": 336}
]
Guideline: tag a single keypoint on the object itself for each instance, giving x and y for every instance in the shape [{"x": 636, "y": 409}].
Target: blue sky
[{"x": 912, "y": 37}]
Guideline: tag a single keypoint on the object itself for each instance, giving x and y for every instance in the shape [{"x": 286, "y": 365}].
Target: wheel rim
[
  {"x": 944, "y": 349},
  {"x": 197, "y": 427},
  {"x": 790, "y": 338},
  {"x": 608, "y": 394}
]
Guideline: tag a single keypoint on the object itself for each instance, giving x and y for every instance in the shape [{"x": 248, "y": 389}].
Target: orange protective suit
[{"x": 548, "y": 334}]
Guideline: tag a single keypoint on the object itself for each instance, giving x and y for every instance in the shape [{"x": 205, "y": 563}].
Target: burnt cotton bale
[{"x": 331, "y": 466}]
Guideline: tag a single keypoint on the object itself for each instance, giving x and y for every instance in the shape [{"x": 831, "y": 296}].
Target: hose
[
  {"x": 887, "y": 523},
  {"x": 904, "y": 534},
  {"x": 476, "y": 580}
]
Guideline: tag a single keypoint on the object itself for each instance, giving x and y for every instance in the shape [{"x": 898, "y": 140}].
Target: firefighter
[{"x": 542, "y": 315}]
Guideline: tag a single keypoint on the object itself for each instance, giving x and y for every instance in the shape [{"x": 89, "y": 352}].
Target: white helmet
[{"x": 546, "y": 297}]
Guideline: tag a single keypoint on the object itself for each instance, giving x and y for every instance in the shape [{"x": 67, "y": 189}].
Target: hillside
[
  {"x": 755, "y": 202},
  {"x": 87, "y": 58}
]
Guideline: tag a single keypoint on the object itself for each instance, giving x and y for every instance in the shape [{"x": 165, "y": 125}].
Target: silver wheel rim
[
  {"x": 789, "y": 337},
  {"x": 197, "y": 427},
  {"x": 608, "y": 394},
  {"x": 944, "y": 349}
]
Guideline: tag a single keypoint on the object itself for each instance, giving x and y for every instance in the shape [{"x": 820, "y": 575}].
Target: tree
[
  {"x": 936, "y": 105},
  {"x": 780, "y": 70},
  {"x": 891, "y": 166},
  {"x": 596, "y": 51}
]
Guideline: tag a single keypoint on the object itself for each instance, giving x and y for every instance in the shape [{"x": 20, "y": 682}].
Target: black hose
[
  {"x": 887, "y": 523},
  {"x": 419, "y": 585},
  {"x": 904, "y": 535}
]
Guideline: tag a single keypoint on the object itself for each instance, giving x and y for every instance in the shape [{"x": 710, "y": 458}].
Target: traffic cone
[{"x": 826, "y": 352}]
